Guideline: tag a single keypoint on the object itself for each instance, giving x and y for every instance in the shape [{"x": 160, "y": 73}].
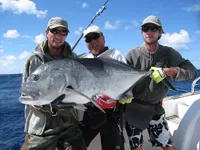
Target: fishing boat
[
  {"x": 182, "y": 114},
  {"x": 183, "y": 117}
]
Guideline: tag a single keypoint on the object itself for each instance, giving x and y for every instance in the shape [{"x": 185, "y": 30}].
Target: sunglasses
[
  {"x": 150, "y": 28},
  {"x": 91, "y": 37},
  {"x": 61, "y": 32}
]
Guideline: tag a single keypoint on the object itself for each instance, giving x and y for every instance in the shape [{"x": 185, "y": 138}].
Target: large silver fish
[{"x": 78, "y": 80}]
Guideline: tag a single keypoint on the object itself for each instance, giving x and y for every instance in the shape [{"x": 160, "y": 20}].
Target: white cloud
[
  {"x": 1, "y": 50},
  {"x": 197, "y": 32},
  {"x": 10, "y": 64},
  {"x": 193, "y": 8},
  {"x": 39, "y": 38},
  {"x": 126, "y": 24},
  {"x": 135, "y": 23},
  {"x": 118, "y": 22},
  {"x": 176, "y": 40},
  {"x": 108, "y": 25},
  {"x": 11, "y": 34},
  {"x": 84, "y": 5},
  {"x": 130, "y": 24},
  {"x": 128, "y": 27},
  {"x": 26, "y": 36},
  {"x": 7, "y": 60},
  {"x": 24, "y": 54},
  {"x": 22, "y": 6},
  {"x": 78, "y": 32}
]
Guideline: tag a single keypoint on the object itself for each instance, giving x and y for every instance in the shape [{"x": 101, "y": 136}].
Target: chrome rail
[{"x": 194, "y": 83}]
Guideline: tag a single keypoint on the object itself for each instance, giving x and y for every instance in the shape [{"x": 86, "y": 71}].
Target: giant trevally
[{"x": 78, "y": 80}]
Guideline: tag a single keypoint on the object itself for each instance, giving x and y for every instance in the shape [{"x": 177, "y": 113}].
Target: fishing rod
[{"x": 97, "y": 14}]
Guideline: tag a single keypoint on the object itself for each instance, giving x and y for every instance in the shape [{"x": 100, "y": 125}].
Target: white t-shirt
[{"x": 110, "y": 53}]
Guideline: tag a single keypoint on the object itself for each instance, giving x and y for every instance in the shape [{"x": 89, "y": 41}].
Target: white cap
[{"x": 92, "y": 29}]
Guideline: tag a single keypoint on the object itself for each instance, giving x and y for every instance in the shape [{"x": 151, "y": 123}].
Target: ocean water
[{"x": 12, "y": 111}]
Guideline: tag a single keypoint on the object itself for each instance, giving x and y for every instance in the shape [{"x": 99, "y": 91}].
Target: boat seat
[{"x": 187, "y": 136}]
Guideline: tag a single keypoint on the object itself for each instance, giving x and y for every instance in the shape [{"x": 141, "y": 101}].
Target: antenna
[{"x": 97, "y": 14}]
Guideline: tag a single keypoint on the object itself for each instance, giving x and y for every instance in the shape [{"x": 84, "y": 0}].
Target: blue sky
[{"x": 23, "y": 25}]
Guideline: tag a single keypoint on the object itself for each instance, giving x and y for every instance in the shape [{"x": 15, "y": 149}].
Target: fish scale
[{"x": 80, "y": 79}]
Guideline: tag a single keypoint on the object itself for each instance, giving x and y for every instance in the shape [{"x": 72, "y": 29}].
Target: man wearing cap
[
  {"x": 95, "y": 121},
  {"x": 146, "y": 111},
  {"x": 56, "y": 129}
]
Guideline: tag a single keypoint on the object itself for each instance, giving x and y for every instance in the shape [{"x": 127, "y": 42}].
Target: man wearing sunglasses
[
  {"x": 44, "y": 129},
  {"x": 95, "y": 121},
  {"x": 146, "y": 111}
]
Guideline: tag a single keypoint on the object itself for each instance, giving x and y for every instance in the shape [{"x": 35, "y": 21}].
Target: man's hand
[
  {"x": 171, "y": 72},
  {"x": 158, "y": 74}
]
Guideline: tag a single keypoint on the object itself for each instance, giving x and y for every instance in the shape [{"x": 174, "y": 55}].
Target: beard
[
  {"x": 154, "y": 41},
  {"x": 56, "y": 47}
]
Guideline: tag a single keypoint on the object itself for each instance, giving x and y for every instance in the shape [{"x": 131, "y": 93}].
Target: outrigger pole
[{"x": 97, "y": 14}]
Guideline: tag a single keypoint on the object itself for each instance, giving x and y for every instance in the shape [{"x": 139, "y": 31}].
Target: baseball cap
[
  {"x": 152, "y": 19},
  {"x": 92, "y": 29},
  {"x": 57, "y": 22}
]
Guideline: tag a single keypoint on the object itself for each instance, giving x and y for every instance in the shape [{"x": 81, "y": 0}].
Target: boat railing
[{"x": 194, "y": 83}]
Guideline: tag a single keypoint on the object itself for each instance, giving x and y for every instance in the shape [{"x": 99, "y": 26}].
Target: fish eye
[{"x": 35, "y": 77}]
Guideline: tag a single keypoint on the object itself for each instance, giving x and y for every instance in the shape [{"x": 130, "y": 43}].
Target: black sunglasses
[
  {"x": 91, "y": 37},
  {"x": 56, "y": 31},
  {"x": 150, "y": 28}
]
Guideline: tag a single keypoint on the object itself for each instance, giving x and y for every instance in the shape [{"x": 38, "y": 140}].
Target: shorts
[{"x": 158, "y": 132}]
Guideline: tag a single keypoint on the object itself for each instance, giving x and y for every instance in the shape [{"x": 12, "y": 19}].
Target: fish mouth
[
  {"x": 24, "y": 97},
  {"x": 27, "y": 96},
  {"x": 28, "y": 99}
]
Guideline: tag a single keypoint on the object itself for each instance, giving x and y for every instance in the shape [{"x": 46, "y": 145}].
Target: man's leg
[
  {"x": 33, "y": 142},
  {"x": 111, "y": 138},
  {"x": 88, "y": 132},
  {"x": 81, "y": 143},
  {"x": 135, "y": 137},
  {"x": 71, "y": 138},
  {"x": 77, "y": 143},
  {"x": 26, "y": 142},
  {"x": 159, "y": 133},
  {"x": 169, "y": 148}
]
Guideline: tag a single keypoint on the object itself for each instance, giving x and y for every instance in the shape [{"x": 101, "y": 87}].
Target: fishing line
[{"x": 97, "y": 14}]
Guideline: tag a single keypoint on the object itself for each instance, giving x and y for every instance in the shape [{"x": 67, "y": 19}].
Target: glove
[
  {"x": 158, "y": 74},
  {"x": 105, "y": 102},
  {"x": 126, "y": 101}
]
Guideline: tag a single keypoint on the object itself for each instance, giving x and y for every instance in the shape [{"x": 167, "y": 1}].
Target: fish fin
[
  {"x": 168, "y": 84},
  {"x": 80, "y": 107},
  {"x": 151, "y": 85},
  {"x": 76, "y": 96},
  {"x": 93, "y": 100},
  {"x": 57, "y": 103},
  {"x": 90, "y": 99}
]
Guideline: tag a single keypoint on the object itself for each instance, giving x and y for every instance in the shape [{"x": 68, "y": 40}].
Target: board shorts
[{"x": 158, "y": 132}]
